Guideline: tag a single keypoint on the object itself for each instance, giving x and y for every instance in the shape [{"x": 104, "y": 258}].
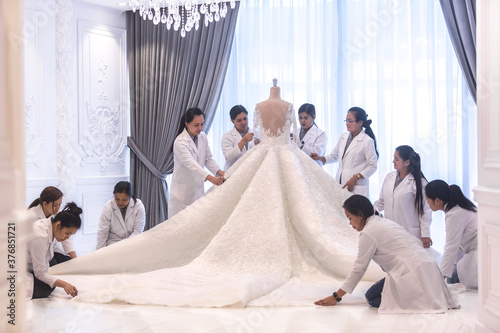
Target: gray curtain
[
  {"x": 460, "y": 17},
  {"x": 169, "y": 74}
]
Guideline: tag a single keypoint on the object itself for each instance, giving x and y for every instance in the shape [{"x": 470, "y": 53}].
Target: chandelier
[{"x": 183, "y": 14}]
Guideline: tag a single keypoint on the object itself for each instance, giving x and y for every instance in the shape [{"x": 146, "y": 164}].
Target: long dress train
[{"x": 277, "y": 221}]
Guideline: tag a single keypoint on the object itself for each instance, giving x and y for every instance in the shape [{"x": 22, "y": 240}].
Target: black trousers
[
  {"x": 374, "y": 294},
  {"x": 41, "y": 289}
]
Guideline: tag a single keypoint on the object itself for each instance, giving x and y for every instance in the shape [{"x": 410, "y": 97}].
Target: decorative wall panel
[{"x": 102, "y": 87}]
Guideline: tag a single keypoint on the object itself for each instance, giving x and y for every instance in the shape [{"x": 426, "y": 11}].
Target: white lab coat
[
  {"x": 67, "y": 246},
  {"x": 189, "y": 174},
  {"x": 360, "y": 157},
  {"x": 230, "y": 149},
  {"x": 414, "y": 283},
  {"x": 399, "y": 205},
  {"x": 113, "y": 228},
  {"x": 40, "y": 252},
  {"x": 461, "y": 239},
  {"x": 314, "y": 141}
]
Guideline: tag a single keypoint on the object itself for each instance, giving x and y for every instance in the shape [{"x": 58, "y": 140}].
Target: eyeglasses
[{"x": 347, "y": 121}]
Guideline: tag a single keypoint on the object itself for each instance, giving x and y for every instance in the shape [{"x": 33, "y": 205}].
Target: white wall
[{"x": 76, "y": 106}]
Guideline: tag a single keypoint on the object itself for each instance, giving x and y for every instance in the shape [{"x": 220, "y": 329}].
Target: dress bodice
[{"x": 270, "y": 132}]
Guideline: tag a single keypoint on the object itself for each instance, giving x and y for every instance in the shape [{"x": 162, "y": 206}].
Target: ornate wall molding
[
  {"x": 102, "y": 90},
  {"x": 33, "y": 140}
]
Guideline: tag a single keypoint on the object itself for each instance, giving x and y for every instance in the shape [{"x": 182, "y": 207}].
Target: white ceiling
[
  {"x": 114, "y": 4},
  {"x": 111, "y": 4}
]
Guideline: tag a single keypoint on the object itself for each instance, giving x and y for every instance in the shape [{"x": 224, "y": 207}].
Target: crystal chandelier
[{"x": 184, "y": 14}]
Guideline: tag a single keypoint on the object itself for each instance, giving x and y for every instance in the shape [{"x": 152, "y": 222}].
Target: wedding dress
[{"x": 275, "y": 226}]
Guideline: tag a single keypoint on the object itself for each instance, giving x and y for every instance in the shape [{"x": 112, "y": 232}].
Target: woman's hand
[
  {"x": 215, "y": 180},
  {"x": 327, "y": 301},
  {"x": 316, "y": 157},
  {"x": 427, "y": 242},
  {"x": 68, "y": 287},
  {"x": 244, "y": 140},
  {"x": 350, "y": 183},
  {"x": 256, "y": 141}
]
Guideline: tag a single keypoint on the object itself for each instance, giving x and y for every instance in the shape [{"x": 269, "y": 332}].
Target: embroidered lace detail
[{"x": 281, "y": 135}]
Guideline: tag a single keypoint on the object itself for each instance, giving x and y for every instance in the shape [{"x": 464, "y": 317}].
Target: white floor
[{"x": 60, "y": 314}]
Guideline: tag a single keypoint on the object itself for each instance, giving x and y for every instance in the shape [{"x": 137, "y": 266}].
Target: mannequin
[{"x": 273, "y": 110}]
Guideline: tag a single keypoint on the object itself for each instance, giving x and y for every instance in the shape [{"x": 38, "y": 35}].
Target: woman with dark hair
[
  {"x": 41, "y": 250},
  {"x": 121, "y": 217},
  {"x": 402, "y": 197},
  {"x": 459, "y": 262},
  {"x": 191, "y": 155},
  {"x": 240, "y": 139},
  {"x": 413, "y": 284},
  {"x": 311, "y": 138},
  {"x": 46, "y": 205},
  {"x": 356, "y": 152}
]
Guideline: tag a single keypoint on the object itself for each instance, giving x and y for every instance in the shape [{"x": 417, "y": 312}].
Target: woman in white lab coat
[
  {"x": 46, "y": 205},
  {"x": 356, "y": 152},
  {"x": 311, "y": 138},
  {"x": 459, "y": 262},
  {"x": 191, "y": 155},
  {"x": 240, "y": 139},
  {"x": 122, "y": 217},
  {"x": 41, "y": 250},
  {"x": 402, "y": 197},
  {"x": 413, "y": 284}
]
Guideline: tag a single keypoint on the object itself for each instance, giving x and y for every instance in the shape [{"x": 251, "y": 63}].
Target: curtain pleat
[
  {"x": 460, "y": 17},
  {"x": 169, "y": 74}
]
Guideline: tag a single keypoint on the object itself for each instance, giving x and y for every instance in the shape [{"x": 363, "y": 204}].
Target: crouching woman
[
  {"x": 41, "y": 250},
  {"x": 413, "y": 284}
]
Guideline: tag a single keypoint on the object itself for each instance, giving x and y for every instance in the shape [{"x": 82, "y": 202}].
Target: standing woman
[
  {"x": 311, "y": 138},
  {"x": 461, "y": 232},
  {"x": 240, "y": 139},
  {"x": 121, "y": 217},
  {"x": 356, "y": 152},
  {"x": 41, "y": 250},
  {"x": 413, "y": 284},
  {"x": 402, "y": 196},
  {"x": 46, "y": 205},
  {"x": 191, "y": 155}
]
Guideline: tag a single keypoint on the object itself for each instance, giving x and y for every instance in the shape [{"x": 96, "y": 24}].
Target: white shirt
[
  {"x": 230, "y": 149},
  {"x": 360, "y": 157},
  {"x": 67, "y": 245},
  {"x": 314, "y": 141},
  {"x": 189, "y": 173},
  {"x": 398, "y": 205},
  {"x": 41, "y": 251},
  {"x": 113, "y": 228},
  {"x": 461, "y": 239},
  {"x": 414, "y": 283}
]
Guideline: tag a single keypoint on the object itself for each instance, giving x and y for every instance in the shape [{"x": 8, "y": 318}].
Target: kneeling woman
[
  {"x": 414, "y": 283},
  {"x": 459, "y": 262},
  {"x": 41, "y": 249}
]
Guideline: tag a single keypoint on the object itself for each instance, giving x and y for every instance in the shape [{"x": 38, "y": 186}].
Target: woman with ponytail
[
  {"x": 191, "y": 155},
  {"x": 402, "y": 197},
  {"x": 240, "y": 139},
  {"x": 461, "y": 232},
  {"x": 356, "y": 152},
  {"x": 312, "y": 139},
  {"x": 48, "y": 204},
  {"x": 41, "y": 250}
]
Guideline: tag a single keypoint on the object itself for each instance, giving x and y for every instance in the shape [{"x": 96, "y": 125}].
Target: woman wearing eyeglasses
[{"x": 356, "y": 152}]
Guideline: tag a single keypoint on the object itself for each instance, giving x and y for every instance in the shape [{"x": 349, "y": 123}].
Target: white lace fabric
[{"x": 278, "y": 219}]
